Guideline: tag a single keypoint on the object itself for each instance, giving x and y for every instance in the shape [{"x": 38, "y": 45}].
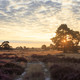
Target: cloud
[{"x": 31, "y": 19}]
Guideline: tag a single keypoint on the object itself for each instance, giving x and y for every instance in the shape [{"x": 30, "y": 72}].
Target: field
[
  {"x": 39, "y": 65},
  {"x": 30, "y": 52}
]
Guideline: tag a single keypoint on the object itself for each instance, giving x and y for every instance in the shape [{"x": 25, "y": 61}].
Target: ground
[{"x": 39, "y": 65}]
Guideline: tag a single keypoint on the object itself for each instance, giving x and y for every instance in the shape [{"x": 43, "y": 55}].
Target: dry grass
[
  {"x": 22, "y": 53},
  {"x": 29, "y": 53},
  {"x": 72, "y": 55}
]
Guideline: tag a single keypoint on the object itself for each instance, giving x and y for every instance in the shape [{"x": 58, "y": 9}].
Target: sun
[{"x": 54, "y": 34}]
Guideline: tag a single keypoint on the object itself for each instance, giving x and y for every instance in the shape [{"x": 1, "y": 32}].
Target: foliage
[
  {"x": 21, "y": 48},
  {"x": 66, "y": 38},
  {"x": 21, "y": 59},
  {"x": 11, "y": 68},
  {"x": 56, "y": 59},
  {"x": 5, "y": 45},
  {"x": 44, "y": 47},
  {"x": 5, "y": 77},
  {"x": 52, "y": 46},
  {"x": 64, "y": 73}
]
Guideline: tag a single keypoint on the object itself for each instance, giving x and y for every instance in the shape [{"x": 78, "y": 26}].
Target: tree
[
  {"x": 5, "y": 45},
  {"x": 66, "y": 38},
  {"x": 43, "y": 47},
  {"x": 24, "y": 48},
  {"x": 19, "y": 48},
  {"x": 51, "y": 46}
]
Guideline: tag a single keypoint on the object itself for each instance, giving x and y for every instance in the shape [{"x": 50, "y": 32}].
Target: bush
[
  {"x": 53, "y": 58},
  {"x": 54, "y": 67},
  {"x": 58, "y": 72},
  {"x": 72, "y": 76},
  {"x": 11, "y": 65},
  {"x": 11, "y": 68},
  {"x": 21, "y": 59},
  {"x": 4, "y": 76},
  {"x": 64, "y": 73},
  {"x": 11, "y": 71}
]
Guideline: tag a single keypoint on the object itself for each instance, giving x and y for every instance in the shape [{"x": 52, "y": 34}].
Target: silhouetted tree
[
  {"x": 43, "y": 47},
  {"x": 5, "y": 45},
  {"x": 66, "y": 38},
  {"x": 25, "y": 47},
  {"x": 19, "y": 48},
  {"x": 51, "y": 46}
]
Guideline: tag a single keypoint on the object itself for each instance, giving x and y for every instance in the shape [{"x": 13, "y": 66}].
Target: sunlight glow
[
  {"x": 64, "y": 41},
  {"x": 54, "y": 34}
]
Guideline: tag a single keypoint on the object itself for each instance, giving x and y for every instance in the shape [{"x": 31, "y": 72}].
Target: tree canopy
[
  {"x": 43, "y": 47},
  {"x": 66, "y": 38},
  {"x": 5, "y": 45}
]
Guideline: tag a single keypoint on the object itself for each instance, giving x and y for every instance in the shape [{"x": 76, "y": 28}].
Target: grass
[
  {"x": 21, "y": 53},
  {"x": 61, "y": 66}
]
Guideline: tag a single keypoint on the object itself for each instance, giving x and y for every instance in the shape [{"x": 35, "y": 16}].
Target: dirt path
[{"x": 46, "y": 72}]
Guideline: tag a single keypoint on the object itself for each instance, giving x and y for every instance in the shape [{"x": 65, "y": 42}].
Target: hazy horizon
[{"x": 28, "y": 44}]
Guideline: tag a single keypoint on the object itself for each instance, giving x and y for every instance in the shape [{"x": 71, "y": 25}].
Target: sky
[{"x": 34, "y": 22}]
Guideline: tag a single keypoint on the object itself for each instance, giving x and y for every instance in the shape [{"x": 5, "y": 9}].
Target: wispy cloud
[{"x": 36, "y": 19}]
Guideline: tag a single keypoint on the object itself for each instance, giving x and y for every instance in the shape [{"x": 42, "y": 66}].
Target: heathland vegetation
[{"x": 59, "y": 61}]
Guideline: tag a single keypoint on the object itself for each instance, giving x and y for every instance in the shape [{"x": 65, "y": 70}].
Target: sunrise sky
[{"x": 33, "y": 22}]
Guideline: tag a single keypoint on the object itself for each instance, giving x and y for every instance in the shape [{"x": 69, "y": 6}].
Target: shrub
[
  {"x": 54, "y": 67},
  {"x": 21, "y": 59},
  {"x": 11, "y": 71},
  {"x": 72, "y": 76},
  {"x": 59, "y": 73},
  {"x": 12, "y": 65},
  {"x": 53, "y": 58},
  {"x": 4, "y": 76},
  {"x": 11, "y": 68}
]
